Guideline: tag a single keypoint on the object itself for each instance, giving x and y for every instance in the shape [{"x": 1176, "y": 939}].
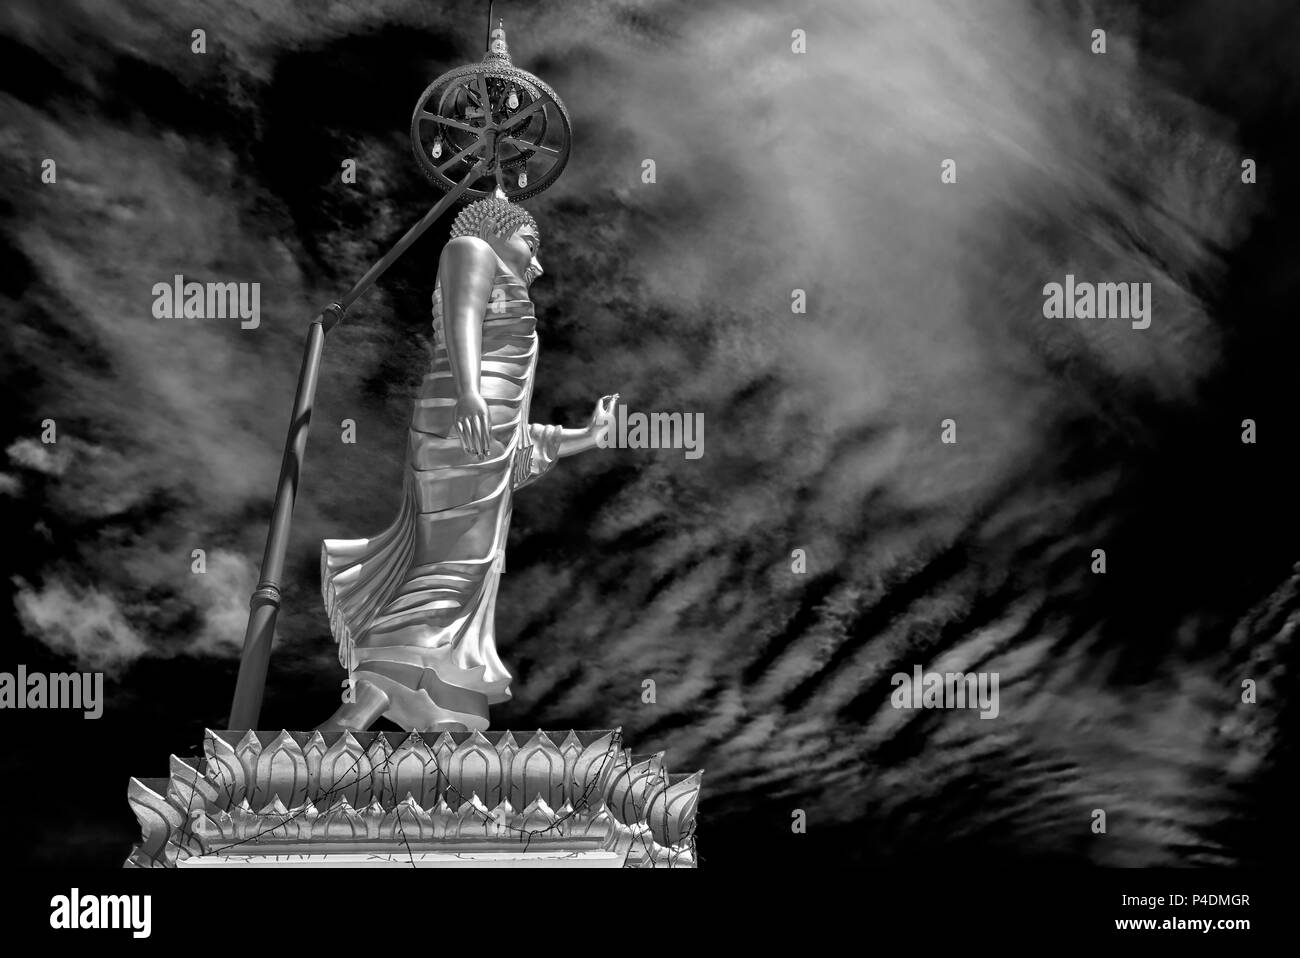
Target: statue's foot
[
  {"x": 372, "y": 704},
  {"x": 357, "y": 716},
  {"x": 408, "y": 706}
]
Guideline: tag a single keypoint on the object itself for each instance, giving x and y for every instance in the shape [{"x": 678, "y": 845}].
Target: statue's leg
[{"x": 357, "y": 716}]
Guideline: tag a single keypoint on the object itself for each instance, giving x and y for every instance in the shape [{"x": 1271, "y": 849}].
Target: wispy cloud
[
  {"x": 41, "y": 457},
  {"x": 82, "y": 623}
]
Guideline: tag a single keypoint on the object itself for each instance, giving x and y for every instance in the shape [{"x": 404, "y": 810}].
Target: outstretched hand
[{"x": 602, "y": 418}]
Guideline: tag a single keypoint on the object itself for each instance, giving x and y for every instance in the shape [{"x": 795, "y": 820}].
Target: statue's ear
[{"x": 486, "y": 228}]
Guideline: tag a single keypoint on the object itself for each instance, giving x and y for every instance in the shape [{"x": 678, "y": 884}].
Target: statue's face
[{"x": 520, "y": 253}]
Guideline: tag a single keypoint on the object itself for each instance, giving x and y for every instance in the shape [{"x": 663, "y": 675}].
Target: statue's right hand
[{"x": 473, "y": 424}]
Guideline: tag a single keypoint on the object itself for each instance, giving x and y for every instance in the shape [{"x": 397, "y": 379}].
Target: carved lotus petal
[
  {"x": 345, "y": 771},
  {"x": 379, "y": 754},
  {"x": 407, "y": 822},
  {"x": 443, "y": 819},
  {"x": 444, "y": 747},
  {"x": 275, "y": 808},
  {"x": 373, "y": 816},
  {"x": 246, "y": 822},
  {"x": 159, "y": 823},
  {"x": 625, "y": 840},
  {"x": 590, "y": 771},
  {"x": 412, "y": 770},
  {"x": 619, "y": 763},
  {"x": 538, "y": 771},
  {"x": 225, "y": 825},
  {"x": 473, "y": 820},
  {"x": 248, "y": 749},
  {"x": 189, "y": 788},
  {"x": 274, "y": 825},
  {"x": 340, "y": 823},
  {"x": 671, "y": 813},
  {"x": 281, "y": 772},
  {"x": 304, "y": 817},
  {"x": 312, "y": 753},
  {"x": 507, "y": 749},
  {"x": 571, "y": 750},
  {"x": 633, "y": 790},
  {"x": 565, "y": 816},
  {"x": 475, "y": 769},
  {"x": 504, "y": 822},
  {"x": 205, "y": 832},
  {"x": 185, "y": 792},
  {"x": 223, "y": 768},
  {"x": 538, "y": 820},
  {"x": 600, "y": 823}
]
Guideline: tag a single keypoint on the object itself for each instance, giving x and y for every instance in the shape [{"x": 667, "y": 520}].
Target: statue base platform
[{"x": 399, "y": 799}]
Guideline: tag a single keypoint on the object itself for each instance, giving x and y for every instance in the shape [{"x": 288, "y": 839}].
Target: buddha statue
[{"x": 413, "y": 608}]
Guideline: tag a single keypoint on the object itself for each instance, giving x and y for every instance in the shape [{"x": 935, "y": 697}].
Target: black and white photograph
[{"x": 763, "y": 439}]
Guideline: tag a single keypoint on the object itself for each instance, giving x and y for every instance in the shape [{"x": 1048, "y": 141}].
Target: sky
[{"x": 776, "y": 171}]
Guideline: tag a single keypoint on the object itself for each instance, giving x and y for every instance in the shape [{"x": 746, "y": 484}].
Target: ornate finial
[{"x": 497, "y": 49}]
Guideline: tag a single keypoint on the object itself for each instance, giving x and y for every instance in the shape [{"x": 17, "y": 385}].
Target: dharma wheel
[{"x": 496, "y": 112}]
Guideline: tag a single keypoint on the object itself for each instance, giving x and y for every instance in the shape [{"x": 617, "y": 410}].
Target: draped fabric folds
[{"x": 412, "y": 609}]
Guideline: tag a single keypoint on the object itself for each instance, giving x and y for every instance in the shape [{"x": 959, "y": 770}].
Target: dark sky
[{"x": 775, "y": 171}]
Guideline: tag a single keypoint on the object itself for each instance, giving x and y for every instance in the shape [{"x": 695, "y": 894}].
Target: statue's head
[{"x": 509, "y": 228}]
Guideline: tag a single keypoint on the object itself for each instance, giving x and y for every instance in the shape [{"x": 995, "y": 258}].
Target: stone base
[
  {"x": 556, "y": 859},
  {"x": 393, "y": 799}
]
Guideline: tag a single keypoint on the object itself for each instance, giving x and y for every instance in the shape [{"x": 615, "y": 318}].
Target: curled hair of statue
[{"x": 493, "y": 214}]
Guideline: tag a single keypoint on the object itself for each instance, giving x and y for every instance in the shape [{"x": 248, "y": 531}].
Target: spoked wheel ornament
[{"x": 496, "y": 113}]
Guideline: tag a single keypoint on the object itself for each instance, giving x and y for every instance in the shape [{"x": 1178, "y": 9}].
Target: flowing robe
[{"x": 412, "y": 609}]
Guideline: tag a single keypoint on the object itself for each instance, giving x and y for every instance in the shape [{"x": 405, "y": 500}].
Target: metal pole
[{"x": 264, "y": 604}]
